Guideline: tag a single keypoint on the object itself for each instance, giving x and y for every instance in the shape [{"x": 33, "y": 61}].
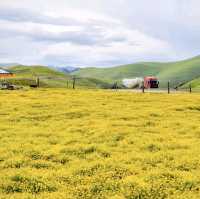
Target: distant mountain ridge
[
  {"x": 65, "y": 69},
  {"x": 5, "y": 65}
]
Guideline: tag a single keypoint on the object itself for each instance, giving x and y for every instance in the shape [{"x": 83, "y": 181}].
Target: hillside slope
[
  {"x": 177, "y": 72},
  {"x": 195, "y": 84},
  {"x": 26, "y": 75},
  {"x": 181, "y": 72},
  {"x": 120, "y": 72}
]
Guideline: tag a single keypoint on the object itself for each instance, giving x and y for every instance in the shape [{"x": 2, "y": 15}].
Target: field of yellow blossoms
[{"x": 95, "y": 144}]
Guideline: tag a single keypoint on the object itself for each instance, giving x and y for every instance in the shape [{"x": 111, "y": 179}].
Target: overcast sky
[{"x": 98, "y": 32}]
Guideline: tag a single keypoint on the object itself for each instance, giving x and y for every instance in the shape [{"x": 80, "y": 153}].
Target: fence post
[
  {"x": 190, "y": 86},
  {"x": 38, "y": 82},
  {"x": 74, "y": 82},
  {"x": 168, "y": 86},
  {"x": 116, "y": 86},
  {"x": 143, "y": 87}
]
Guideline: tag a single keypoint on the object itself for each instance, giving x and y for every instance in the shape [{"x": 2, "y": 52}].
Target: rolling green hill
[
  {"x": 181, "y": 72},
  {"x": 177, "y": 72},
  {"x": 26, "y": 75},
  {"x": 120, "y": 72},
  {"x": 195, "y": 84}
]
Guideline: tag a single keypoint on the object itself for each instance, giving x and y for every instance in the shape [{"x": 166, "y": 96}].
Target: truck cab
[{"x": 151, "y": 82}]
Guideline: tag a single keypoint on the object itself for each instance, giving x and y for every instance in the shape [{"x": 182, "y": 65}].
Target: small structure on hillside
[
  {"x": 4, "y": 84},
  {"x": 5, "y": 74}
]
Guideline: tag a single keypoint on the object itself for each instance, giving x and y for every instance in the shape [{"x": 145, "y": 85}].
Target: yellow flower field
[{"x": 57, "y": 143}]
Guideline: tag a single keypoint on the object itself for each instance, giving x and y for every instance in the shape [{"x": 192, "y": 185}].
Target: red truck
[{"x": 151, "y": 82}]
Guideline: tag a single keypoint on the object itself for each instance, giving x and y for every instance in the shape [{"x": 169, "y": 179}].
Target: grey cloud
[
  {"x": 84, "y": 37},
  {"x": 184, "y": 38},
  {"x": 92, "y": 32},
  {"x": 174, "y": 21},
  {"x": 22, "y": 15},
  {"x": 77, "y": 37}
]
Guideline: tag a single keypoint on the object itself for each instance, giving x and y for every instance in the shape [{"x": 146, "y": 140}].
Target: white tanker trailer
[
  {"x": 133, "y": 83},
  {"x": 139, "y": 82}
]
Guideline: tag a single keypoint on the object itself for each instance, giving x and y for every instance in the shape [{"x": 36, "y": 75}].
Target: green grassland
[
  {"x": 26, "y": 75},
  {"x": 195, "y": 84},
  {"x": 120, "y": 72},
  {"x": 94, "y": 144},
  {"x": 177, "y": 72}
]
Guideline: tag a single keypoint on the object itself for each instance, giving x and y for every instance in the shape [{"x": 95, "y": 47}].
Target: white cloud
[
  {"x": 125, "y": 51},
  {"x": 97, "y": 32}
]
